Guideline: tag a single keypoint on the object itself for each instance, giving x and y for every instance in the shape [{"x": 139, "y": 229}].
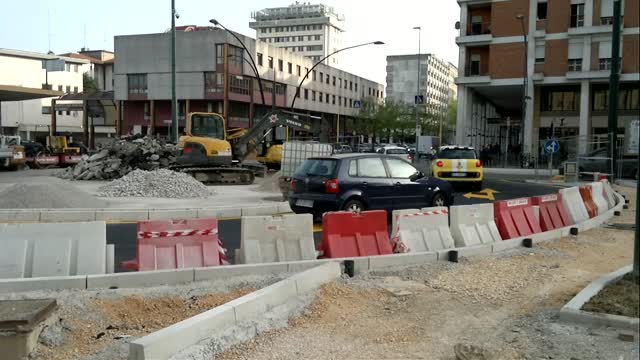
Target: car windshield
[
  {"x": 397, "y": 151},
  {"x": 317, "y": 167},
  {"x": 457, "y": 154},
  {"x": 209, "y": 125}
]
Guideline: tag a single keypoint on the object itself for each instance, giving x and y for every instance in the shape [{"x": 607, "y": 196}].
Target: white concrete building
[
  {"x": 101, "y": 68},
  {"x": 436, "y": 79},
  {"x": 313, "y": 31},
  {"x": 31, "y": 118}
]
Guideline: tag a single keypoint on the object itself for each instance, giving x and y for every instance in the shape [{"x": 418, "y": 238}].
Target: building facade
[
  {"x": 310, "y": 30},
  {"x": 567, "y": 58},
  {"x": 436, "y": 79},
  {"x": 143, "y": 82},
  {"x": 31, "y": 119}
]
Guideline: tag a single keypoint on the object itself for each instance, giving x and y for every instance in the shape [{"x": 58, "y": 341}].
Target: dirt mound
[{"x": 47, "y": 195}]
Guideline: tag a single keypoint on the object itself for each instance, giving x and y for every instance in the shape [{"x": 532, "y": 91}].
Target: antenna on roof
[
  {"x": 84, "y": 42},
  {"x": 49, "y": 28}
]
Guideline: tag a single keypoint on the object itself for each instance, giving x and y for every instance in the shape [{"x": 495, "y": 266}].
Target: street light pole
[
  {"x": 174, "y": 102},
  {"x": 418, "y": 91},
  {"x": 524, "y": 80}
]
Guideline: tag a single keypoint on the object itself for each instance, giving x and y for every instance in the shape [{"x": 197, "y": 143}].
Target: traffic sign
[
  {"x": 357, "y": 104},
  {"x": 419, "y": 99},
  {"x": 552, "y": 146}
]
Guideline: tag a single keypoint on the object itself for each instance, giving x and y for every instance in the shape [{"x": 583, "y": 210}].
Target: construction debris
[
  {"x": 162, "y": 183},
  {"x": 120, "y": 157}
]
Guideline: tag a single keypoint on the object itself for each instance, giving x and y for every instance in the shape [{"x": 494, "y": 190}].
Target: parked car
[
  {"x": 396, "y": 151},
  {"x": 458, "y": 164},
  {"x": 598, "y": 161},
  {"x": 356, "y": 182},
  {"x": 341, "y": 149}
]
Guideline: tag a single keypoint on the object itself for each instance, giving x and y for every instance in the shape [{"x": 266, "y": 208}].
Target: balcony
[
  {"x": 475, "y": 33},
  {"x": 473, "y": 74}
]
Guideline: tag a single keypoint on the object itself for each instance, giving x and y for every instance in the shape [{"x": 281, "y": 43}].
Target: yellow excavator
[{"x": 213, "y": 156}]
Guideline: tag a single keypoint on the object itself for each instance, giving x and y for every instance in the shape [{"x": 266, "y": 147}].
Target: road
[{"x": 496, "y": 187}]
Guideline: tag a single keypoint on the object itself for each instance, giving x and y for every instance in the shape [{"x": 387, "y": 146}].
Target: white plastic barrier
[
  {"x": 473, "y": 225},
  {"x": 266, "y": 239},
  {"x": 609, "y": 193},
  {"x": 53, "y": 249},
  {"x": 574, "y": 205},
  {"x": 597, "y": 194},
  {"x": 425, "y": 230},
  {"x": 394, "y": 219}
]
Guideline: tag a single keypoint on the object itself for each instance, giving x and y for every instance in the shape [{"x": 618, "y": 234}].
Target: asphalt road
[{"x": 495, "y": 187}]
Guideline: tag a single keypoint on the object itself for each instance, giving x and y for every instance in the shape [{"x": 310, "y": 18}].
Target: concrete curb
[
  {"x": 572, "y": 312},
  {"x": 166, "y": 342},
  {"x": 133, "y": 214}
]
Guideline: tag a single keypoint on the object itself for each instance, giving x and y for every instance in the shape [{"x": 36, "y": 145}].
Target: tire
[
  {"x": 439, "y": 200},
  {"x": 354, "y": 206}
]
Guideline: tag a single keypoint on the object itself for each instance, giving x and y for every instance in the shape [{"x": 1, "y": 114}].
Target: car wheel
[
  {"x": 354, "y": 206},
  {"x": 439, "y": 200}
]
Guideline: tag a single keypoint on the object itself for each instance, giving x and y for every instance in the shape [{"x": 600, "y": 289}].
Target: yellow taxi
[{"x": 458, "y": 164}]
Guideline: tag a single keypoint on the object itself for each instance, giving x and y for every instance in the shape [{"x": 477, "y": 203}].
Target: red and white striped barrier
[{"x": 419, "y": 231}]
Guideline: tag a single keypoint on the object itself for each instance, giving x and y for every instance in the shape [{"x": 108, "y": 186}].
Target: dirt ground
[
  {"x": 505, "y": 304},
  {"x": 618, "y": 298}
]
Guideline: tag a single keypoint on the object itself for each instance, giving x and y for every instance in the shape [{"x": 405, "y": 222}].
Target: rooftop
[
  {"x": 39, "y": 56},
  {"x": 296, "y": 11}
]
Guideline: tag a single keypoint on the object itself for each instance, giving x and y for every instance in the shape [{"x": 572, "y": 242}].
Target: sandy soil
[{"x": 506, "y": 304}]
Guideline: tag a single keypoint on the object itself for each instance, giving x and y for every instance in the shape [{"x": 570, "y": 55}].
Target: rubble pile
[
  {"x": 162, "y": 183},
  {"x": 120, "y": 157}
]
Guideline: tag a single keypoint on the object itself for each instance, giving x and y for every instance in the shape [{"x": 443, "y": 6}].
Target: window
[
  {"x": 356, "y": 87},
  {"x": 577, "y": 15},
  {"x": 400, "y": 169},
  {"x": 75, "y": 68},
  {"x": 334, "y": 81},
  {"x": 350, "y": 103},
  {"x": 339, "y": 100},
  {"x": 353, "y": 168},
  {"x": 542, "y": 10},
  {"x": 321, "y": 76},
  {"x": 540, "y": 52},
  {"x": 326, "y": 98},
  {"x": 263, "y": 30},
  {"x": 339, "y": 82},
  {"x": 351, "y": 85},
  {"x": 333, "y": 99},
  {"x": 306, "y": 72},
  {"x": 314, "y": 48},
  {"x": 371, "y": 167},
  {"x": 280, "y": 65},
  {"x": 300, "y": 38},
  {"x": 270, "y": 62},
  {"x": 313, "y": 95},
  {"x": 136, "y": 83},
  {"x": 309, "y": 38},
  {"x": 575, "y": 64},
  {"x": 75, "y": 89},
  {"x": 306, "y": 94},
  {"x": 628, "y": 99},
  {"x": 560, "y": 100},
  {"x": 327, "y": 79},
  {"x": 68, "y": 67},
  {"x": 320, "y": 97},
  {"x": 300, "y": 48},
  {"x": 345, "y": 83},
  {"x": 46, "y": 110},
  {"x": 259, "y": 59},
  {"x": 313, "y": 75},
  {"x": 605, "y": 64},
  {"x": 239, "y": 85},
  {"x": 298, "y": 70},
  {"x": 68, "y": 89},
  {"x": 213, "y": 82},
  {"x": 289, "y": 68},
  {"x": 317, "y": 37},
  {"x": 317, "y": 167}
]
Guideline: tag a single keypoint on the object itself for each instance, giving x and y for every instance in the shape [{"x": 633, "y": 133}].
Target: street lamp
[
  {"x": 524, "y": 79},
  {"x": 174, "y": 102},
  {"x": 418, "y": 90},
  {"x": 253, "y": 63}
]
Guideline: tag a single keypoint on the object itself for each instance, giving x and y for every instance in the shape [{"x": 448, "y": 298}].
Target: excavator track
[{"x": 219, "y": 175}]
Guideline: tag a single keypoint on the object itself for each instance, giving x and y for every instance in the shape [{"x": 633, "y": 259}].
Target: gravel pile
[
  {"x": 160, "y": 183},
  {"x": 47, "y": 195},
  {"x": 122, "y": 156}
]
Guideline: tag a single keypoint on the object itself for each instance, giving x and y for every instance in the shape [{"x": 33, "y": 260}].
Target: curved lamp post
[
  {"x": 253, "y": 63},
  {"x": 306, "y": 75}
]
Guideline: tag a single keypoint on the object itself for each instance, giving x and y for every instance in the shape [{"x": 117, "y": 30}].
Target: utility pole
[
  {"x": 174, "y": 102},
  {"x": 636, "y": 243},
  {"x": 418, "y": 92},
  {"x": 613, "y": 88}
]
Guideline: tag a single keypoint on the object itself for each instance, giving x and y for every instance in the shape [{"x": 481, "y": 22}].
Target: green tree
[
  {"x": 89, "y": 84},
  {"x": 376, "y": 118}
]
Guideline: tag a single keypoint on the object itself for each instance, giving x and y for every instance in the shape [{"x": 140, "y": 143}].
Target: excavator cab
[{"x": 205, "y": 142}]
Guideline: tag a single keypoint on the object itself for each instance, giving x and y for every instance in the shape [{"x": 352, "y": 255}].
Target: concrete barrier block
[
  {"x": 229, "y": 213},
  {"x": 478, "y": 250},
  {"x": 166, "y": 342},
  {"x": 547, "y": 236},
  {"x": 314, "y": 278},
  {"x": 140, "y": 279},
  {"x": 52, "y": 258},
  {"x": 385, "y": 261},
  {"x": 172, "y": 214},
  {"x": 506, "y": 245},
  {"x": 255, "y": 304},
  {"x": 208, "y": 213},
  {"x": 13, "y": 258},
  {"x": 298, "y": 266},
  {"x": 360, "y": 264},
  {"x": 38, "y": 284},
  {"x": 284, "y": 208},
  {"x": 67, "y": 215},
  {"x": 261, "y": 210},
  {"x": 226, "y": 271},
  {"x": 18, "y": 215},
  {"x": 122, "y": 214}
]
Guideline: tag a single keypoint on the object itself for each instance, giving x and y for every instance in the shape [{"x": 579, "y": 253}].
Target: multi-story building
[
  {"x": 101, "y": 67},
  {"x": 436, "y": 77},
  {"x": 567, "y": 56},
  {"x": 143, "y": 82},
  {"x": 311, "y": 30},
  {"x": 31, "y": 119},
  {"x": 453, "y": 87}
]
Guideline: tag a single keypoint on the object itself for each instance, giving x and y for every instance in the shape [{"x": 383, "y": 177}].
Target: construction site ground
[{"x": 506, "y": 304}]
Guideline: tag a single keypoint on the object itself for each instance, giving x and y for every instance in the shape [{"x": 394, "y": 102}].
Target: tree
[
  {"x": 89, "y": 84},
  {"x": 374, "y": 117}
]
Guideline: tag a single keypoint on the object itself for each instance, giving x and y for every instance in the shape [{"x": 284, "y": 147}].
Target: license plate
[
  {"x": 458, "y": 174},
  {"x": 304, "y": 203},
  {"x": 18, "y": 156}
]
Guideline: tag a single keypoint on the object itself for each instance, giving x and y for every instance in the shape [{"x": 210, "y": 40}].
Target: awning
[{"x": 18, "y": 93}]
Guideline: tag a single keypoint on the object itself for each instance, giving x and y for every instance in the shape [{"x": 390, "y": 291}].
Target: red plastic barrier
[
  {"x": 585, "y": 193},
  {"x": 176, "y": 244},
  {"x": 515, "y": 218},
  {"x": 552, "y": 213},
  {"x": 346, "y": 234}
]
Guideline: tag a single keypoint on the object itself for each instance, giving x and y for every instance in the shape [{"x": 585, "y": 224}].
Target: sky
[{"x": 68, "y": 25}]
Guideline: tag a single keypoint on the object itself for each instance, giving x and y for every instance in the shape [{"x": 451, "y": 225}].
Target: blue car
[{"x": 357, "y": 182}]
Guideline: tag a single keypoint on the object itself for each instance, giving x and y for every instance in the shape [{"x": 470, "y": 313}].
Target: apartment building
[
  {"x": 143, "y": 82},
  {"x": 567, "y": 57},
  {"x": 31, "y": 119},
  {"x": 100, "y": 68},
  {"x": 312, "y": 30},
  {"x": 436, "y": 79}
]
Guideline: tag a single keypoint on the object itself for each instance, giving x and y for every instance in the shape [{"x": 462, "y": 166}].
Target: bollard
[
  {"x": 349, "y": 267},
  {"x": 573, "y": 231},
  {"x": 528, "y": 243},
  {"x": 453, "y": 256}
]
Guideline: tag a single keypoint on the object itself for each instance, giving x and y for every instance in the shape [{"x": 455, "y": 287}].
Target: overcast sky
[{"x": 26, "y": 23}]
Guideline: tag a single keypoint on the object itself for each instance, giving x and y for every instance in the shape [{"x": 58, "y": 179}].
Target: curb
[
  {"x": 168, "y": 341},
  {"x": 132, "y": 214},
  {"x": 571, "y": 312}
]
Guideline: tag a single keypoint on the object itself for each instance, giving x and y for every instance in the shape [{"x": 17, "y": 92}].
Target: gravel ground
[
  {"x": 161, "y": 183},
  {"x": 505, "y": 305}
]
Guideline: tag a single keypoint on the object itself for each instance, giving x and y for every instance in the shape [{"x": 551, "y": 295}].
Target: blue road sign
[
  {"x": 552, "y": 146},
  {"x": 419, "y": 99},
  {"x": 357, "y": 104}
]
